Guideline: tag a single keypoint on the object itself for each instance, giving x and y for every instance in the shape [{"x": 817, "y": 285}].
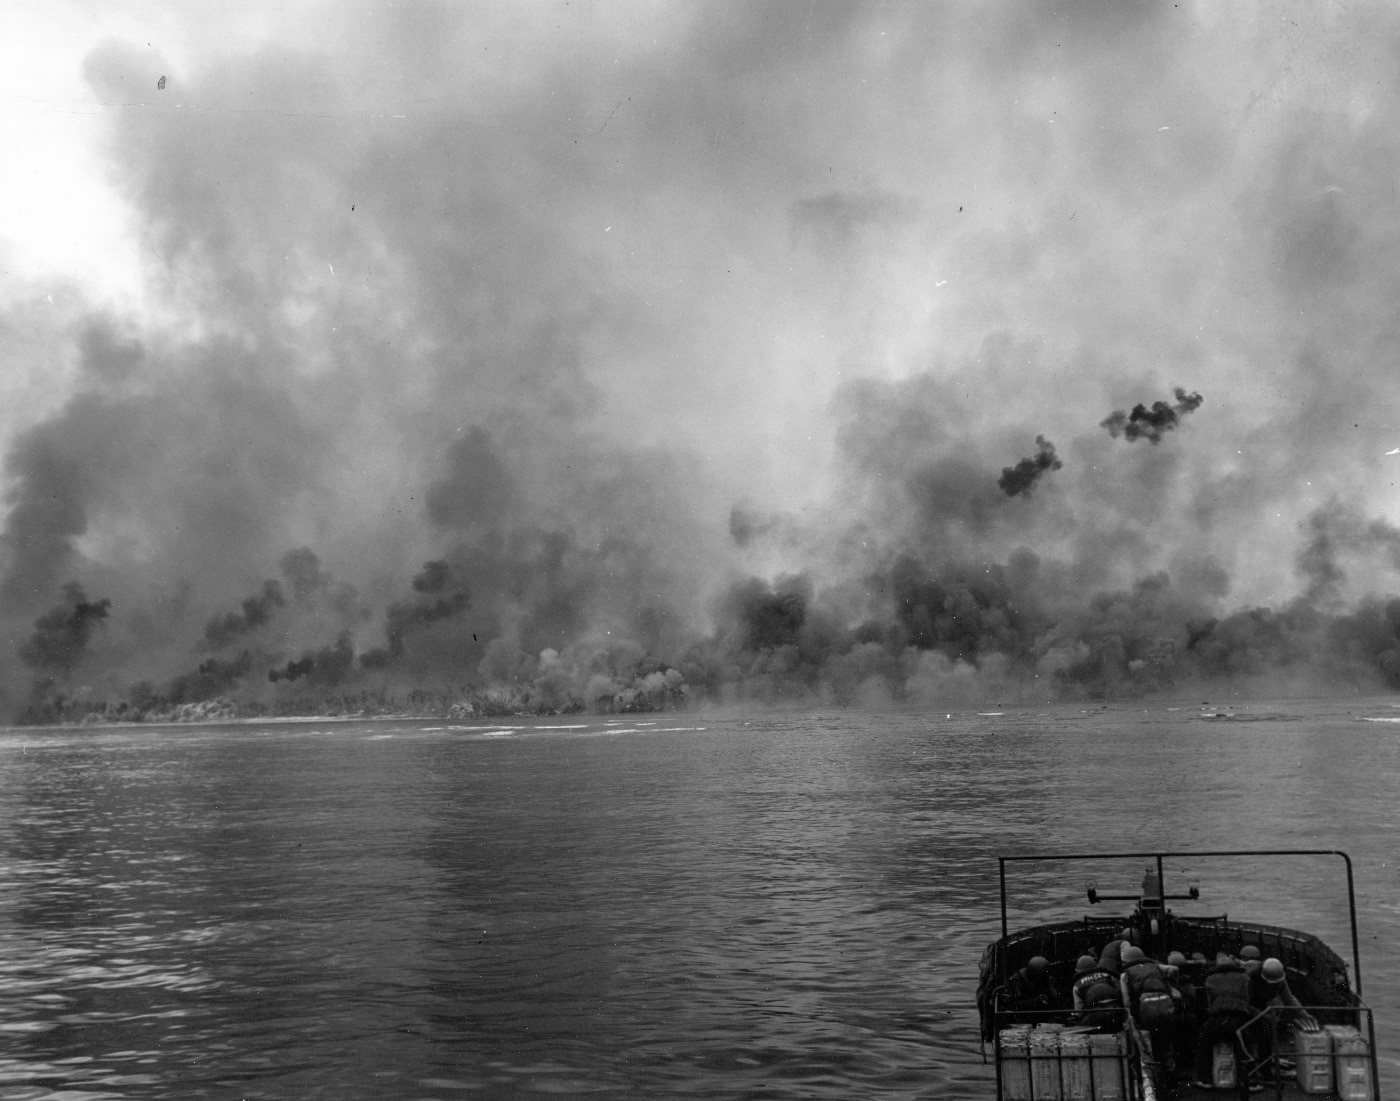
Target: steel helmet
[
  {"x": 1273, "y": 970},
  {"x": 1133, "y": 954},
  {"x": 1250, "y": 952},
  {"x": 1176, "y": 959},
  {"x": 1085, "y": 963},
  {"x": 1039, "y": 964}
]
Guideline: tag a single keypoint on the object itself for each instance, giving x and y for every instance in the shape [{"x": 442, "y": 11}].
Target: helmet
[
  {"x": 1133, "y": 954},
  {"x": 1176, "y": 959},
  {"x": 1251, "y": 952},
  {"x": 1038, "y": 964},
  {"x": 1273, "y": 970},
  {"x": 1085, "y": 963}
]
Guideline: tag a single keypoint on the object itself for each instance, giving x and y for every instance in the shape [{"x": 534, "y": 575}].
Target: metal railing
[{"x": 1266, "y": 1068}]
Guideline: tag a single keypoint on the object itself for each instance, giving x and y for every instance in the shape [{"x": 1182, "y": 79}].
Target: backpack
[
  {"x": 1155, "y": 1005},
  {"x": 1155, "y": 1008}
]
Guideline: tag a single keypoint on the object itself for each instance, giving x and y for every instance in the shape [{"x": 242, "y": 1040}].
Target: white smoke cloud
[{"x": 544, "y": 292}]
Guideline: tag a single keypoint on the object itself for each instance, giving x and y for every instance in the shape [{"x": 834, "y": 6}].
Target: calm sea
[{"x": 688, "y": 906}]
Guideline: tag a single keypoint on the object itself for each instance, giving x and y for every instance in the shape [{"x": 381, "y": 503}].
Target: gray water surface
[{"x": 775, "y": 906}]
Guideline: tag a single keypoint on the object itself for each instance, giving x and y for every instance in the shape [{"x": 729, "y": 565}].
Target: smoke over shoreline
[{"x": 581, "y": 363}]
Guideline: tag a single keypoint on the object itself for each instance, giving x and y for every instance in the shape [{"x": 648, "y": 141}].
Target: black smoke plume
[
  {"x": 61, "y": 635},
  {"x": 1022, "y": 477},
  {"x": 212, "y": 678},
  {"x": 1151, "y": 424},
  {"x": 256, "y": 612},
  {"x": 406, "y": 618},
  {"x": 460, "y": 332},
  {"x": 326, "y": 667}
]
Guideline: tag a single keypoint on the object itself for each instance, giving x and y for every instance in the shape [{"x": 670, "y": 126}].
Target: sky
[{"x": 553, "y": 346}]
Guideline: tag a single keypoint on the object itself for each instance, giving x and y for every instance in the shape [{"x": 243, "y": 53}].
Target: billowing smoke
[
  {"x": 1022, "y": 477},
  {"x": 461, "y": 335},
  {"x": 61, "y": 635},
  {"x": 1151, "y": 424},
  {"x": 303, "y": 571},
  {"x": 408, "y": 617},
  {"x": 256, "y": 612},
  {"x": 326, "y": 667}
]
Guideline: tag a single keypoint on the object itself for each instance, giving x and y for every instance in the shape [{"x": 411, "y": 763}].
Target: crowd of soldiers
[{"x": 1185, "y": 1006}]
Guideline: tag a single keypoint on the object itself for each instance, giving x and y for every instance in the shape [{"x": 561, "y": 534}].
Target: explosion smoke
[
  {"x": 1022, "y": 477},
  {"x": 326, "y": 667},
  {"x": 257, "y": 612},
  {"x": 1151, "y": 424},
  {"x": 503, "y": 324},
  {"x": 61, "y": 635},
  {"x": 405, "y": 618}
]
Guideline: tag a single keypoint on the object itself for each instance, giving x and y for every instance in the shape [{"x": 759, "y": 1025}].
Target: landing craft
[{"x": 1045, "y": 1050}]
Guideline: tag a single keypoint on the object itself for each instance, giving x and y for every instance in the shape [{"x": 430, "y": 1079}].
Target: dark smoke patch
[
  {"x": 61, "y": 635},
  {"x": 1021, "y": 478},
  {"x": 961, "y": 611},
  {"x": 433, "y": 577},
  {"x": 405, "y": 618},
  {"x": 771, "y": 616},
  {"x": 256, "y": 612},
  {"x": 212, "y": 678},
  {"x": 953, "y": 492},
  {"x": 476, "y": 490},
  {"x": 1151, "y": 424},
  {"x": 1337, "y": 531},
  {"x": 324, "y": 668},
  {"x": 48, "y": 510},
  {"x": 302, "y": 569},
  {"x": 1369, "y": 637}
]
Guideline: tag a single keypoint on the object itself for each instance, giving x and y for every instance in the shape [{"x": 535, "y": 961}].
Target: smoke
[
  {"x": 1151, "y": 424},
  {"x": 408, "y": 617},
  {"x": 302, "y": 569},
  {"x": 61, "y": 635},
  {"x": 578, "y": 359},
  {"x": 326, "y": 667},
  {"x": 1022, "y": 477},
  {"x": 256, "y": 612}
]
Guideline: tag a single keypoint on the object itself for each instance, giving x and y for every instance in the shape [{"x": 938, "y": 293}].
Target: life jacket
[
  {"x": 1097, "y": 992},
  {"x": 1145, "y": 976},
  {"x": 1227, "y": 991},
  {"x": 1097, "y": 988}
]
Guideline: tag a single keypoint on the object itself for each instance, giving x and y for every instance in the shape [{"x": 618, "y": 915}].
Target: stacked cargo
[
  {"x": 1351, "y": 1062},
  {"x": 1313, "y": 1056},
  {"x": 1014, "y": 1061},
  {"x": 1045, "y": 1062},
  {"x": 1076, "y": 1073},
  {"x": 1106, "y": 1056},
  {"x": 1054, "y": 1063}
]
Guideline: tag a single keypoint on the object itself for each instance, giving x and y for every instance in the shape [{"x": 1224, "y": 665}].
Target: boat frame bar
[{"x": 1002, "y": 861}]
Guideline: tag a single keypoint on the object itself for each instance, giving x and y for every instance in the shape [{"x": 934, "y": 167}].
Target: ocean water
[{"x": 770, "y": 905}]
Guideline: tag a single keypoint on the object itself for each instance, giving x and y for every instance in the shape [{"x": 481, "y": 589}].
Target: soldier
[
  {"x": 1148, "y": 995},
  {"x": 1096, "y": 997},
  {"x": 1031, "y": 989},
  {"x": 1227, "y": 1011}
]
